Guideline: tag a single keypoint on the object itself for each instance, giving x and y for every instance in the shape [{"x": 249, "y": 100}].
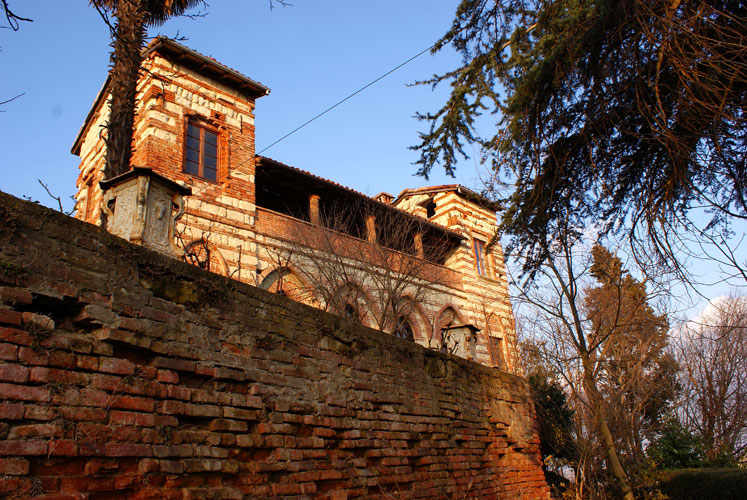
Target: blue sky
[{"x": 311, "y": 55}]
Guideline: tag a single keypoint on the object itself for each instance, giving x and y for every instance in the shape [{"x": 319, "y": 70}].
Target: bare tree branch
[{"x": 11, "y": 17}]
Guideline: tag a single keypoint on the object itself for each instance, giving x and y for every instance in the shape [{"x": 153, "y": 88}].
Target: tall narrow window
[
  {"x": 201, "y": 158},
  {"x": 479, "y": 256},
  {"x": 403, "y": 329}
]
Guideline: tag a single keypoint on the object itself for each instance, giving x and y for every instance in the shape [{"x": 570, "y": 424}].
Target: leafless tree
[
  {"x": 712, "y": 350},
  {"x": 606, "y": 345},
  {"x": 374, "y": 266},
  {"x": 11, "y": 17}
]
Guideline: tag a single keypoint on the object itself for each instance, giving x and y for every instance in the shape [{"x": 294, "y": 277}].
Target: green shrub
[{"x": 703, "y": 484}]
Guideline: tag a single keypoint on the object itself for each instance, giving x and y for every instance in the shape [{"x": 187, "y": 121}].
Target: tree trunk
[
  {"x": 594, "y": 395},
  {"x": 126, "y": 58}
]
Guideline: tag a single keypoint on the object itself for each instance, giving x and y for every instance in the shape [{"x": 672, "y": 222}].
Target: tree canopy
[{"x": 627, "y": 113}]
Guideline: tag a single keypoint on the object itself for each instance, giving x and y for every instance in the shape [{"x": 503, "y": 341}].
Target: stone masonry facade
[
  {"x": 235, "y": 226},
  {"x": 128, "y": 374}
]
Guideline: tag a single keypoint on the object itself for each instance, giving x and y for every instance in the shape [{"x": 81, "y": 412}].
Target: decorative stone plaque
[
  {"x": 142, "y": 206},
  {"x": 466, "y": 338}
]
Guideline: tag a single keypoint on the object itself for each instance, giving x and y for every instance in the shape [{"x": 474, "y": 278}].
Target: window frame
[
  {"x": 403, "y": 328},
  {"x": 481, "y": 260},
  {"x": 202, "y": 127}
]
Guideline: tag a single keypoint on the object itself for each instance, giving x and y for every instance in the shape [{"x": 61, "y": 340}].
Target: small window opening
[
  {"x": 351, "y": 312},
  {"x": 201, "y": 152},
  {"x": 479, "y": 248},
  {"x": 430, "y": 208}
]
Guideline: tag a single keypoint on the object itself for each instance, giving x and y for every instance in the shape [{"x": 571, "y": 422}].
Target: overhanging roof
[
  {"x": 205, "y": 65},
  {"x": 462, "y": 191},
  {"x": 188, "y": 58},
  {"x": 300, "y": 183}
]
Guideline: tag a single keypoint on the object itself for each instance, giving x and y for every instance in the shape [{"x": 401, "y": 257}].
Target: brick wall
[{"x": 124, "y": 374}]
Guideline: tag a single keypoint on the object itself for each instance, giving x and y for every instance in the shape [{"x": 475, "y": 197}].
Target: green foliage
[
  {"x": 636, "y": 374},
  {"x": 610, "y": 112},
  {"x": 703, "y": 484},
  {"x": 676, "y": 447},
  {"x": 554, "y": 418}
]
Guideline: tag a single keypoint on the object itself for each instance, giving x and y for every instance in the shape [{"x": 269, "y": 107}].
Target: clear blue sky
[{"x": 311, "y": 55}]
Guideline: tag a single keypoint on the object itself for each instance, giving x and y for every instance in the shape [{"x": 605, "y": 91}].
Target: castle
[{"x": 419, "y": 265}]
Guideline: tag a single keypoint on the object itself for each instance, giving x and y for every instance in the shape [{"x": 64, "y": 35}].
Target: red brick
[
  {"x": 35, "y": 430},
  {"x": 14, "y": 467},
  {"x": 118, "y": 366},
  {"x": 202, "y": 465},
  {"x": 220, "y": 424},
  {"x": 88, "y": 449},
  {"x": 89, "y": 363},
  {"x": 197, "y": 410},
  {"x": 106, "y": 382},
  {"x": 38, "y": 322},
  {"x": 132, "y": 324},
  {"x": 128, "y": 450},
  {"x": 132, "y": 403},
  {"x": 86, "y": 484},
  {"x": 146, "y": 372},
  {"x": 14, "y": 373},
  {"x": 8, "y": 317},
  {"x": 240, "y": 414},
  {"x": 171, "y": 467},
  {"x": 147, "y": 465},
  {"x": 95, "y": 397},
  {"x": 178, "y": 392},
  {"x": 180, "y": 365},
  {"x": 205, "y": 371},
  {"x": 82, "y": 414},
  {"x": 8, "y": 352},
  {"x": 31, "y": 357},
  {"x": 266, "y": 428},
  {"x": 62, "y": 359},
  {"x": 52, "y": 375},
  {"x": 24, "y": 393},
  {"x": 183, "y": 450},
  {"x": 167, "y": 377},
  {"x": 15, "y": 296},
  {"x": 40, "y": 412},
  {"x": 14, "y": 336},
  {"x": 172, "y": 407},
  {"x": 157, "y": 315},
  {"x": 23, "y": 447},
  {"x": 63, "y": 447},
  {"x": 9, "y": 411},
  {"x": 98, "y": 466}
]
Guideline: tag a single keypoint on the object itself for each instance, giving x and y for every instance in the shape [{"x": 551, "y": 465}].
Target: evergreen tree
[
  {"x": 616, "y": 112},
  {"x": 607, "y": 344},
  {"x": 636, "y": 374},
  {"x": 675, "y": 447}
]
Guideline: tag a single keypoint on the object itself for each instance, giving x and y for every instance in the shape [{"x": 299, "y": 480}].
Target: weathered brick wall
[{"x": 124, "y": 374}]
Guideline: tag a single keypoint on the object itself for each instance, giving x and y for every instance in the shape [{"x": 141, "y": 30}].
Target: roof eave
[{"x": 228, "y": 75}]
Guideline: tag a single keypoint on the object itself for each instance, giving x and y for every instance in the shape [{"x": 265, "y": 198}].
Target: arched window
[
  {"x": 403, "y": 329},
  {"x": 444, "y": 340},
  {"x": 274, "y": 281},
  {"x": 203, "y": 254}
]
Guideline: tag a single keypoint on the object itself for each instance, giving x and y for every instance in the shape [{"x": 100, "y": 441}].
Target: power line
[{"x": 348, "y": 97}]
